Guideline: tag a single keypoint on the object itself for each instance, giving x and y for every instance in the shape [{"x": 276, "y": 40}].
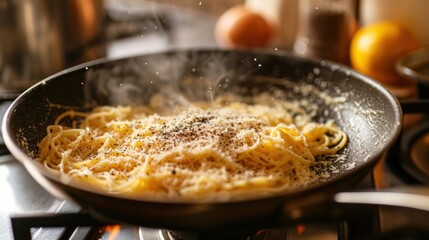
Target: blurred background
[{"x": 39, "y": 38}]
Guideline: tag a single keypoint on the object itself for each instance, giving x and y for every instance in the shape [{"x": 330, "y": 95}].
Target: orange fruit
[
  {"x": 239, "y": 26},
  {"x": 375, "y": 48}
]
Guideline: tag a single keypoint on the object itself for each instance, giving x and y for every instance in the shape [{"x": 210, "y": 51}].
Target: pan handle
[
  {"x": 342, "y": 204},
  {"x": 409, "y": 197}
]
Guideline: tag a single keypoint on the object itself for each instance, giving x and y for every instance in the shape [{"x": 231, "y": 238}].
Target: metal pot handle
[
  {"x": 342, "y": 204},
  {"x": 409, "y": 197}
]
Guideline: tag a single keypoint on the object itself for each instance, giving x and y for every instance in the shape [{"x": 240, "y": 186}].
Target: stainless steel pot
[{"x": 39, "y": 38}]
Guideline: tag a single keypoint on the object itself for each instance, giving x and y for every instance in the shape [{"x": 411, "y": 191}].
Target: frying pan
[{"x": 369, "y": 114}]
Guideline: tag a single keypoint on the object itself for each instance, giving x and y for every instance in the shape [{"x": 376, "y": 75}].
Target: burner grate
[{"x": 23, "y": 223}]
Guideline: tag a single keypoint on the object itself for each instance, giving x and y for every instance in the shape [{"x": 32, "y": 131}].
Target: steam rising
[{"x": 180, "y": 79}]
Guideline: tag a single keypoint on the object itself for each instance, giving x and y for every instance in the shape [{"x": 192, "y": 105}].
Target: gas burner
[
  {"x": 163, "y": 234},
  {"x": 83, "y": 226},
  {"x": 408, "y": 158},
  {"x": 416, "y": 150}
]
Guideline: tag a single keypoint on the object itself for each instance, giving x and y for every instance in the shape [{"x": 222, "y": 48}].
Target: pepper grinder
[{"x": 325, "y": 29}]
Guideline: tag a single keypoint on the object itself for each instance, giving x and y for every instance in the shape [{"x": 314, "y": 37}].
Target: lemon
[{"x": 375, "y": 48}]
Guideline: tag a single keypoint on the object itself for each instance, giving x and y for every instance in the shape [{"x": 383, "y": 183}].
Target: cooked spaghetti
[{"x": 207, "y": 151}]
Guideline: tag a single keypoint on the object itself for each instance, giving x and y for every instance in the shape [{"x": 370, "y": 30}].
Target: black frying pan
[{"x": 369, "y": 114}]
